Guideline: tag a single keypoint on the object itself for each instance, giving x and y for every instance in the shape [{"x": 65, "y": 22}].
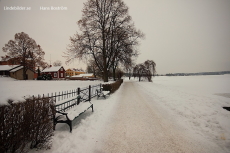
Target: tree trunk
[
  {"x": 106, "y": 79},
  {"x": 94, "y": 72},
  {"x": 114, "y": 74},
  {"x": 39, "y": 72},
  {"x": 104, "y": 55},
  {"x": 105, "y": 72},
  {"x": 24, "y": 66}
]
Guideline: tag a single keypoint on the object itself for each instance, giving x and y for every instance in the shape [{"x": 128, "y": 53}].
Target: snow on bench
[
  {"x": 101, "y": 93},
  {"x": 71, "y": 111}
]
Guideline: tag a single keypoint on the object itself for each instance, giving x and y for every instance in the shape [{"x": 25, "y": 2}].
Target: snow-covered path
[{"x": 139, "y": 127}]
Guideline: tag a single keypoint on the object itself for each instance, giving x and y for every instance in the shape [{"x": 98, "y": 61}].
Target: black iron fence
[{"x": 67, "y": 99}]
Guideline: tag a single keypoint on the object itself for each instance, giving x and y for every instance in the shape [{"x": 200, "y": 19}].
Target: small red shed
[{"x": 57, "y": 72}]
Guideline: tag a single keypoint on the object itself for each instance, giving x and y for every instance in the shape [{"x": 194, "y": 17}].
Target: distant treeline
[
  {"x": 188, "y": 74},
  {"x": 200, "y": 73}
]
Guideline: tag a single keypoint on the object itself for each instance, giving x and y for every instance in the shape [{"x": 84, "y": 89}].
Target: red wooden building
[{"x": 57, "y": 72}]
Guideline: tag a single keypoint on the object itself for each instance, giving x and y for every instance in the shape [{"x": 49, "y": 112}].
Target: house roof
[
  {"x": 69, "y": 70},
  {"x": 7, "y": 67},
  {"x": 19, "y": 68},
  {"x": 52, "y": 69},
  {"x": 75, "y": 70},
  {"x": 16, "y": 69}
]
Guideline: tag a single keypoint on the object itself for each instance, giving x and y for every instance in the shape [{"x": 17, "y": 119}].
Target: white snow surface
[
  {"x": 16, "y": 69},
  {"x": 7, "y": 67},
  {"x": 170, "y": 114},
  {"x": 74, "y": 112},
  {"x": 16, "y": 90}
]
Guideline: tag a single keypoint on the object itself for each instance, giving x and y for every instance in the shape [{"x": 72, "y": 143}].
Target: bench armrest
[{"x": 63, "y": 113}]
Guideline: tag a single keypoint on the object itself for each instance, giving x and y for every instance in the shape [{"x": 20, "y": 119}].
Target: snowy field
[
  {"x": 17, "y": 89},
  {"x": 191, "y": 105},
  {"x": 195, "y": 104}
]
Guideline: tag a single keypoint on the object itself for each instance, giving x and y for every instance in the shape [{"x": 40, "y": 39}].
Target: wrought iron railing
[{"x": 67, "y": 99}]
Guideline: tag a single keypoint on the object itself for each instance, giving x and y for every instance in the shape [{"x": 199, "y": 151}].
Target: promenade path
[{"x": 138, "y": 127}]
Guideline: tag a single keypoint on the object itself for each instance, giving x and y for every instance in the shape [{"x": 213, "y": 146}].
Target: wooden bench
[
  {"x": 66, "y": 112},
  {"x": 101, "y": 93}
]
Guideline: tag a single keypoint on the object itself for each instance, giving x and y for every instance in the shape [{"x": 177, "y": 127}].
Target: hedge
[
  {"x": 113, "y": 86},
  {"x": 25, "y": 125}
]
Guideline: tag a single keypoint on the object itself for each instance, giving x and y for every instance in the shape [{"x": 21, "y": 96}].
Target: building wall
[
  {"x": 69, "y": 72},
  {"x": 4, "y": 63},
  {"x": 19, "y": 74},
  {"x": 30, "y": 74},
  {"x": 77, "y": 73},
  {"x": 60, "y": 74},
  {"x": 35, "y": 75}
]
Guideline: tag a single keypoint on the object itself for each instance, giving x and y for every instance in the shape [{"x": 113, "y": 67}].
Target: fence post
[
  {"x": 78, "y": 96},
  {"x": 89, "y": 92}
]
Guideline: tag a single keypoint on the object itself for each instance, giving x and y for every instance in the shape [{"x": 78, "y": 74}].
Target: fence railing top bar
[
  {"x": 66, "y": 102},
  {"x": 84, "y": 89},
  {"x": 68, "y": 92}
]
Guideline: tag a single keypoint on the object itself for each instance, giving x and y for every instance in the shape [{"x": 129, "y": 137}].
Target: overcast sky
[{"x": 180, "y": 35}]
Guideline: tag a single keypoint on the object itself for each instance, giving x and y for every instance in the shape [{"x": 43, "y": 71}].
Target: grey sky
[{"x": 181, "y": 35}]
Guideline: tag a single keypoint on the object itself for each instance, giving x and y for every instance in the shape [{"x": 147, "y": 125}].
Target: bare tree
[
  {"x": 146, "y": 70},
  {"x": 139, "y": 71},
  {"x": 119, "y": 73},
  {"x": 151, "y": 66},
  {"x": 24, "y": 50},
  {"x": 43, "y": 64},
  {"x": 57, "y": 63},
  {"x": 92, "y": 68},
  {"x": 107, "y": 35}
]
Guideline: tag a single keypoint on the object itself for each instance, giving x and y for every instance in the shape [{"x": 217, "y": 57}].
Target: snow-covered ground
[
  {"x": 186, "y": 112},
  {"x": 17, "y": 89},
  {"x": 195, "y": 104}
]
